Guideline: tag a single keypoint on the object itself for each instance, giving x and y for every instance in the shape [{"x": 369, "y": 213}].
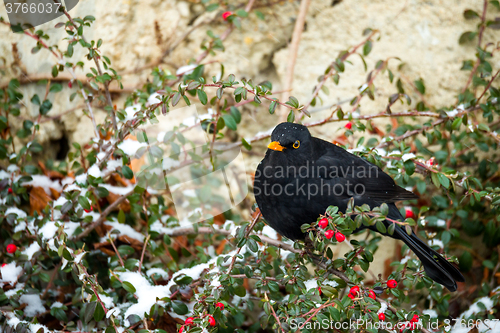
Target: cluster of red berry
[
  {"x": 323, "y": 223},
  {"x": 211, "y": 320}
]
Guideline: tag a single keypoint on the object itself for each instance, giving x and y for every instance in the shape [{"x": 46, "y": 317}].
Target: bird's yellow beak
[{"x": 275, "y": 145}]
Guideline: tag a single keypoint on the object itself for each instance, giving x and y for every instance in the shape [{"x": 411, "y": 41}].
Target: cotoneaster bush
[{"x": 90, "y": 245}]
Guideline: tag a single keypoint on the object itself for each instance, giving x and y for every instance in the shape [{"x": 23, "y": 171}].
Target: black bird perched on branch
[{"x": 301, "y": 176}]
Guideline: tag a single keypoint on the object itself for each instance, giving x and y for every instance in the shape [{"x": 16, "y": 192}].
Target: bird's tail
[{"x": 437, "y": 268}]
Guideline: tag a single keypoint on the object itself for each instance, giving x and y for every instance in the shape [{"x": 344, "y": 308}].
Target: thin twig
[
  {"x": 103, "y": 216},
  {"x": 292, "y": 57},
  {"x": 143, "y": 251},
  {"x": 112, "y": 241}
]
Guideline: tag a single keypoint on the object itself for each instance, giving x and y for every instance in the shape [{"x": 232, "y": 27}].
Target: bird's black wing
[{"x": 378, "y": 187}]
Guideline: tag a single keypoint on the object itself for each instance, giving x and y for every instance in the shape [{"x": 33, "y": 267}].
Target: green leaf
[
  {"x": 179, "y": 307},
  {"x": 241, "y": 13},
  {"x": 466, "y": 37},
  {"x": 236, "y": 114},
  {"x": 202, "y": 96},
  {"x": 128, "y": 287},
  {"x": 272, "y": 107},
  {"x": 45, "y": 107},
  {"x": 125, "y": 250},
  {"x": 127, "y": 172},
  {"x": 121, "y": 216},
  {"x": 84, "y": 202},
  {"x": 102, "y": 192},
  {"x": 291, "y": 117},
  {"x": 229, "y": 121},
  {"x": 99, "y": 312},
  {"x": 420, "y": 86},
  {"x": 367, "y": 47},
  {"x": 35, "y": 99},
  {"x": 56, "y": 87},
  {"x": 55, "y": 71},
  {"x": 380, "y": 227},
  {"x": 470, "y": 14},
  {"x": 88, "y": 314},
  {"x": 246, "y": 144}
]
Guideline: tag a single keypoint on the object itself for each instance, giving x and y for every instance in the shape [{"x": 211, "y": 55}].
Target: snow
[
  {"x": 436, "y": 242},
  {"x": 158, "y": 271},
  {"x": 94, "y": 171},
  {"x": 12, "y": 292},
  {"x": 48, "y": 231},
  {"x": 407, "y": 157},
  {"x": 269, "y": 232},
  {"x": 56, "y": 305},
  {"x": 34, "y": 304},
  {"x": 145, "y": 292},
  {"x": 440, "y": 223},
  {"x": 127, "y": 230},
  {"x": 107, "y": 301},
  {"x": 17, "y": 211},
  {"x": 383, "y": 307},
  {"x": 154, "y": 98},
  {"x": 431, "y": 313},
  {"x": 169, "y": 163},
  {"x": 474, "y": 308},
  {"x": 70, "y": 227},
  {"x": 31, "y": 250},
  {"x": 118, "y": 190},
  {"x": 310, "y": 284},
  {"x": 78, "y": 257},
  {"x": 185, "y": 70},
  {"x": 130, "y": 147},
  {"x": 10, "y": 273},
  {"x": 130, "y": 111}
]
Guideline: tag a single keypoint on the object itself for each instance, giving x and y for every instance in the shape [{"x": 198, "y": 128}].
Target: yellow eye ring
[{"x": 296, "y": 144}]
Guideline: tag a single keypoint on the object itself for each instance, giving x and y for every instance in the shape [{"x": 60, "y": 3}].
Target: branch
[
  {"x": 332, "y": 71},
  {"x": 103, "y": 216},
  {"x": 292, "y": 58}
]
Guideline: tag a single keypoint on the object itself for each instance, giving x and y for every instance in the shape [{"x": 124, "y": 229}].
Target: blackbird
[{"x": 301, "y": 176}]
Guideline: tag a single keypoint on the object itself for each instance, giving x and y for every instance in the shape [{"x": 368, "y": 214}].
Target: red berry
[
  {"x": 371, "y": 294},
  {"x": 88, "y": 210},
  {"x": 211, "y": 321},
  {"x": 10, "y": 190},
  {"x": 381, "y": 316},
  {"x": 181, "y": 329},
  {"x": 410, "y": 214},
  {"x": 351, "y": 296},
  {"x": 414, "y": 319},
  {"x": 319, "y": 289},
  {"x": 225, "y": 15},
  {"x": 348, "y": 125},
  {"x": 4, "y": 264},
  {"x": 339, "y": 237},
  {"x": 11, "y": 248},
  {"x": 189, "y": 320},
  {"x": 220, "y": 305},
  {"x": 354, "y": 290},
  {"x": 392, "y": 283},
  {"x": 323, "y": 223},
  {"x": 329, "y": 234},
  {"x": 70, "y": 85}
]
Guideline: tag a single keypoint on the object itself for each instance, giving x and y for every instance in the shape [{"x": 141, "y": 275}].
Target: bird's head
[{"x": 291, "y": 140}]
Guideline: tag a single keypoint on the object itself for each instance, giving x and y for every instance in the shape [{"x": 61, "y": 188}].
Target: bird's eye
[{"x": 296, "y": 144}]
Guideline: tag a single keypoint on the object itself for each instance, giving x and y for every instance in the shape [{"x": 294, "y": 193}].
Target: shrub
[{"x": 94, "y": 244}]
